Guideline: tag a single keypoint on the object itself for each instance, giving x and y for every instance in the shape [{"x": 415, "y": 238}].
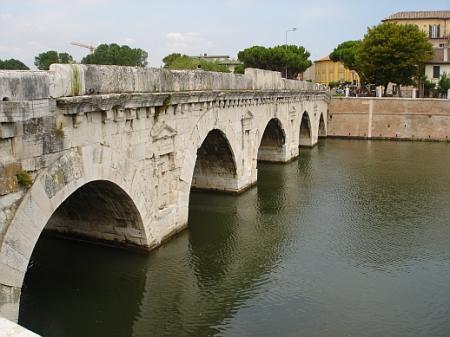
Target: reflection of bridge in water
[{"x": 114, "y": 151}]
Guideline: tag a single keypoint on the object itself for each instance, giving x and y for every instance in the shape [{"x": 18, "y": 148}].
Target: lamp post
[{"x": 286, "y": 45}]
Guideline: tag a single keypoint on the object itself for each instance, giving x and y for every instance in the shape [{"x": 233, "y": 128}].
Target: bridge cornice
[{"x": 91, "y": 103}]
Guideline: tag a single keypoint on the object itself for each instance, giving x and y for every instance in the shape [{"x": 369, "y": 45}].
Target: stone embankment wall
[{"x": 390, "y": 118}]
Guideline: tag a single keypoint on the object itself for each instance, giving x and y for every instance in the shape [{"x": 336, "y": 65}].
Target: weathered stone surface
[
  {"x": 8, "y": 180},
  {"x": 65, "y": 170},
  {"x": 24, "y": 85},
  {"x": 10, "y": 329},
  {"x": 116, "y": 165}
]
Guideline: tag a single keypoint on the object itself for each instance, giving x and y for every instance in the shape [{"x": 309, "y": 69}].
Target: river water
[{"x": 353, "y": 239}]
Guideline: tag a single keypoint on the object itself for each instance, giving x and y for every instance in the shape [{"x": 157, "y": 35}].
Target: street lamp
[{"x": 286, "y": 45}]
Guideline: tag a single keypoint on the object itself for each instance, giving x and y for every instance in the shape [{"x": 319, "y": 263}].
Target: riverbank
[{"x": 390, "y": 118}]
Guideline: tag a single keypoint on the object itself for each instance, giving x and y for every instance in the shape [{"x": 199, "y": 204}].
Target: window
[
  {"x": 435, "y": 31},
  {"x": 436, "y": 71}
]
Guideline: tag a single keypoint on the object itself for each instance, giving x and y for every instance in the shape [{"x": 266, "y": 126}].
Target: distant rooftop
[
  {"x": 419, "y": 15},
  {"x": 323, "y": 59},
  {"x": 206, "y": 56}
]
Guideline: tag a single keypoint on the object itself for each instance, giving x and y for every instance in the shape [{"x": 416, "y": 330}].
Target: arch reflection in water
[
  {"x": 227, "y": 257},
  {"x": 73, "y": 289}
]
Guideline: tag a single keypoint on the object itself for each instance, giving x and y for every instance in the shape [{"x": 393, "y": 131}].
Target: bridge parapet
[{"x": 63, "y": 80}]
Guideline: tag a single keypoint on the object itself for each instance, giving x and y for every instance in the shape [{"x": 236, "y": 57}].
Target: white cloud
[{"x": 188, "y": 42}]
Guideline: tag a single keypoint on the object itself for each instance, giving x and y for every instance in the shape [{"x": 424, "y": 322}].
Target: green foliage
[
  {"x": 75, "y": 80},
  {"x": 24, "y": 179},
  {"x": 333, "y": 84},
  {"x": 346, "y": 54},
  {"x": 296, "y": 58},
  {"x": 117, "y": 55},
  {"x": 239, "y": 69},
  {"x": 178, "y": 61},
  {"x": 12, "y": 64},
  {"x": 213, "y": 66},
  {"x": 163, "y": 108},
  {"x": 171, "y": 58},
  {"x": 391, "y": 53},
  {"x": 444, "y": 83},
  {"x": 428, "y": 85},
  {"x": 44, "y": 60}
]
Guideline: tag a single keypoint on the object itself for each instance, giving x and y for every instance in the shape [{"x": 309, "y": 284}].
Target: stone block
[
  {"x": 7, "y": 130},
  {"x": 8, "y": 179}
]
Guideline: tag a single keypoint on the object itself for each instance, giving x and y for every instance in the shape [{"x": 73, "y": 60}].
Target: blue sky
[{"x": 28, "y": 27}]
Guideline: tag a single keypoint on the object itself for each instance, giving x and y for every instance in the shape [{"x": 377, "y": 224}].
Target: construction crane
[{"x": 82, "y": 45}]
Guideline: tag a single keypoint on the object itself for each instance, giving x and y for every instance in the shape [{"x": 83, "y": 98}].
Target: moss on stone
[
  {"x": 24, "y": 179},
  {"x": 75, "y": 80}
]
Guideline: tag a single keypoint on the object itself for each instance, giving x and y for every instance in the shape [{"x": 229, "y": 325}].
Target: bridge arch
[
  {"x": 272, "y": 144},
  {"x": 305, "y": 134},
  {"x": 88, "y": 178},
  {"x": 215, "y": 164}
]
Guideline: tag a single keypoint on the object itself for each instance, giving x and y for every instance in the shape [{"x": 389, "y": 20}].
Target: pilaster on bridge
[{"x": 110, "y": 154}]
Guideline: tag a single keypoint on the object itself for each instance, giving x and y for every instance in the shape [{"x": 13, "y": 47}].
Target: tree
[
  {"x": 239, "y": 69},
  {"x": 178, "y": 61},
  {"x": 44, "y": 60},
  {"x": 346, "y": 54},
  {"x": 391, "y": 53},
  {"x": 117, "y": 55},
  {"x": 428, "y": 86},
  {"x": 296, "y": 58},
  {"x": 13, "y": 64},
  {"x": 444, "y": 84}
]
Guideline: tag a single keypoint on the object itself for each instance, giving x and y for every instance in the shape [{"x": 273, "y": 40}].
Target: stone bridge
[{"x": 110, "y": 154}]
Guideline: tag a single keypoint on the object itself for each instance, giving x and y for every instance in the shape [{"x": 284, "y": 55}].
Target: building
[
  {"x": 436, "y": 24},
  {"x": 439, "y": 65},
  {"x": 325, "y": 71},
  {"x": 221, "y": 59}
]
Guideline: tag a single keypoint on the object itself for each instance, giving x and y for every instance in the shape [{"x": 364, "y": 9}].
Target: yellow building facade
[
  {"x": 326, "y": 71},
  {"x": 436, "y": 24}
]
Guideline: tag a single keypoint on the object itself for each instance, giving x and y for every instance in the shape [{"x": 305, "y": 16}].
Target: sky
[{"x": 193, "y": 27}]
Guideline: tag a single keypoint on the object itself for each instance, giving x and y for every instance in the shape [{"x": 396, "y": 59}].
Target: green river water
[{"x": 352, "y": 239}]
